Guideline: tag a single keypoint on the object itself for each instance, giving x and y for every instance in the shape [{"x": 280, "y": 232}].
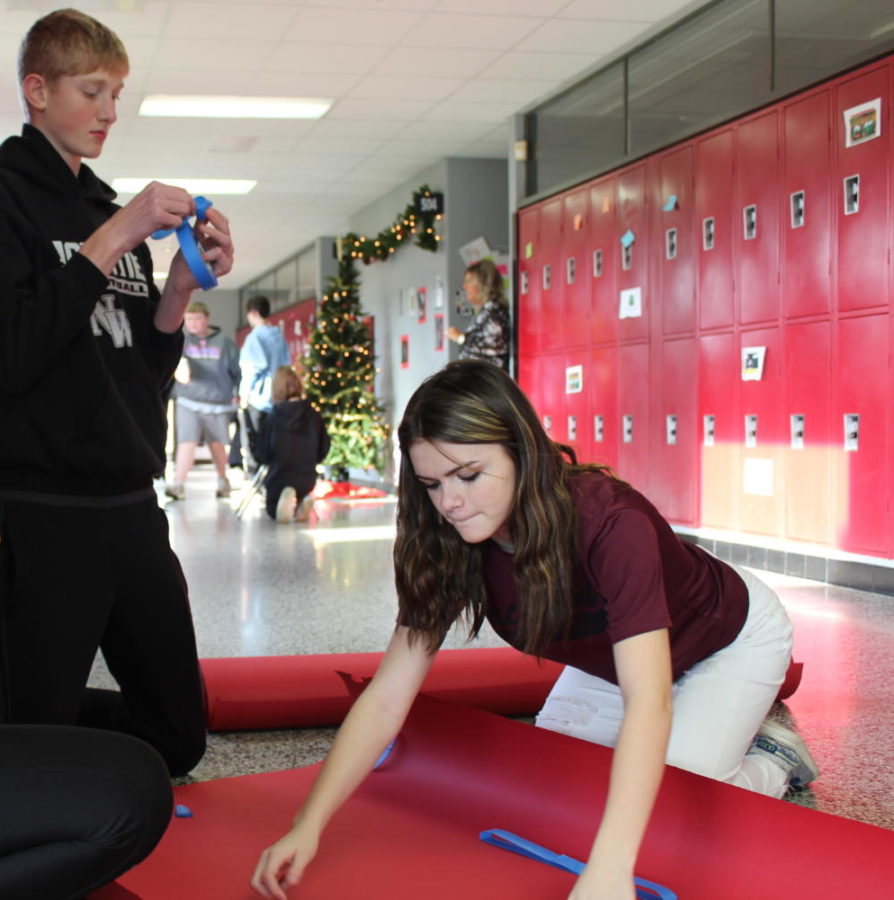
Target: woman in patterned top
[{"x": 488, "y": 335}]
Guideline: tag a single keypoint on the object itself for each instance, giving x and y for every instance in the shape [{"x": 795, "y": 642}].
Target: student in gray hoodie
[{"x": 205, "y": 397}]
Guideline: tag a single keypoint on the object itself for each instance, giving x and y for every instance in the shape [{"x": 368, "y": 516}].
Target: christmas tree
[{"x": 341, "y": 372}]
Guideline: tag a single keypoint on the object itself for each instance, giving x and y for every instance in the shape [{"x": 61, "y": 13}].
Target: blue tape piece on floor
[
  {"x": 189, "y": 248},
  {"x": 645, "y": 890},
  {"x": 384, "y": 755},
  {"x": 182, "y": 812}
]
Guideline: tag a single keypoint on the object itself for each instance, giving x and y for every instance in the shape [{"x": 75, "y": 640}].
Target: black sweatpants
[
  {"x": 80, "y": 807},
  {"x": 77, "y": 578}
]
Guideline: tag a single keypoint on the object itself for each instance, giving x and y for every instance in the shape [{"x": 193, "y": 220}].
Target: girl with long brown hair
[{"x": 671, "y": 655}]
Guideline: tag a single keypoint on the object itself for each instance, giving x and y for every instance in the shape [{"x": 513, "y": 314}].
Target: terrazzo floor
[{"x": 260, "y": 589}]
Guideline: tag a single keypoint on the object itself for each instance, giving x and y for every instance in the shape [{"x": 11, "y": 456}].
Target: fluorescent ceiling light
[
  {"x": 221, "y": 107},
  {"x": 210, "y": 186}
]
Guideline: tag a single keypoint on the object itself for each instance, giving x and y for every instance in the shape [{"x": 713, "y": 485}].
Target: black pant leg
[
  {"x": 149, "y": 642},
  {"x": 56, "y": 592},
  {"x": 80, "y": 808}
]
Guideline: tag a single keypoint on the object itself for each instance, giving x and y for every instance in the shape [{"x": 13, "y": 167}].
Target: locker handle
[
  {"x": 851, "y": 195},
  {"x": 708, "y": 233},
  {"x": 797, "y": 205},
  {"x": 749, "y": 221}
]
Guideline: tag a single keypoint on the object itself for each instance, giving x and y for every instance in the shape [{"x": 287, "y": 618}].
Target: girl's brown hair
[
  {"x": 440, "y": 577},
  {"x": 286, "y": 384}
]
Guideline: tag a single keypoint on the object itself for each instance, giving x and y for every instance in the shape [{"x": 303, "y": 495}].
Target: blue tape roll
[{"x": 189, "y": 248}]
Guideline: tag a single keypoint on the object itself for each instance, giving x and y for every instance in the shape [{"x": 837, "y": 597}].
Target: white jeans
[{"x": 719, "y": 703}]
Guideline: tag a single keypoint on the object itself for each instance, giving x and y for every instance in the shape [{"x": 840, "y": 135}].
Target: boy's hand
[
  {"x": 156, "y": 206},
  {"x": 213, "y": 236}
]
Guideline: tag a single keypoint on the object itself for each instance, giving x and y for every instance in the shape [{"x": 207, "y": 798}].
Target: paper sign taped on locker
[
  {"x": 631, "y": 306},
  {"x": 574, "y": 379},
  {"x": 757, "y": 477}
]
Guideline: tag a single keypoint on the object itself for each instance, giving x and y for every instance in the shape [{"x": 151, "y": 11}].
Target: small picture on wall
[
  {"x": 439, "y": 332},
  {"x": 422, "y": 303},
  {"x": 405, "y": 351},
  {"x": 863, "y": 123}
]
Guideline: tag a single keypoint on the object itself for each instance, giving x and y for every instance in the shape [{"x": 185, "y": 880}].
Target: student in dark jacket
[
  {"x": 293, "y": 442},
  {"x": 87, "y": 347}
]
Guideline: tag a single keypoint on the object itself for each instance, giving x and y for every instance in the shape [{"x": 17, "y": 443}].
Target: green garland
[{"x": 406, "y": 224}]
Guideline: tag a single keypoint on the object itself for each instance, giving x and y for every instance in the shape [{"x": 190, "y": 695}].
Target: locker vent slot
[
  {"x": 572, "y": 428},
  {"x": 627, "y": 425},
  {"x": 710, "y": 424},
  {"x": 750, "y": 431},
  {"x": 524, "y": 283},
  {"x": 627, "y": 257},
  {"x": 597, "y": 264},
  {"x": 570, "y": 266},
  {"x": 599, "y": 428},
  {"x": 547, "y": 277},
  {"x": 708, "y": 233}
]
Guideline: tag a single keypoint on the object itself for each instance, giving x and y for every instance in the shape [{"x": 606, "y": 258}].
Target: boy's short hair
[
  {"x": 260, "y": 304},
  {"x": 196, "y": 306},
  {"x": 69, "y": 42}
]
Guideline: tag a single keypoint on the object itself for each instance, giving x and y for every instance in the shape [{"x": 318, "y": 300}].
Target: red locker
[
  {"x": 631, "y": 248},
  {"x": 862, "y": 191},
  {"x": 603, "y": 393},
  {"x": 757, "y": 209},
  {"x": 720, "y": 430},
  {"x": 806, "y": 221},
  {"x": 673, "y": 239},
  {"x": 863, "y": 473},
  {"x": 808, "y": 456},
  {"x": 604, "y": 262},
  {"x": 633, "y": 414},
  {"x": 764, "y": 432},
  {"x": 714, "y": 223},
  {"x": 674, "y": 431},
  {"x": 529, "y": 302},
  {"x": 578, "y": 429},
  {"x": 530, "y": 380},
  {"x": 550, "y": 275},
  {"x": 550, "y": 392},
  {"x": 575, "y": 271}
]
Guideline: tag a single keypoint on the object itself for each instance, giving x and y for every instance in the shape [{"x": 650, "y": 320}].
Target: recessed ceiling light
[
  {"x": 210, "y": 186},
  {"x": 222, "y": 107}
]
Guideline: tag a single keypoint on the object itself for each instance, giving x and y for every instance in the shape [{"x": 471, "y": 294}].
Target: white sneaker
[
  {"x": 785, "y": 749},
  {"x": 304, "y": 509},
  {"x": 285, "y": 506},
  {"x": 223, "y": 488},
  {"x": 175, "y": 490}
]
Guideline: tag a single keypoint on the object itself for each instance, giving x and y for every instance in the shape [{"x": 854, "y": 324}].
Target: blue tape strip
[
  {"x": 182, "y": 812},
  {"x": 670, "y": 204},
  {"x": 645, "y": 890},
  {"x": 627, "y": 238},
  {"x": 384, "y": 755},
  {"x": 189, "y": 248}
]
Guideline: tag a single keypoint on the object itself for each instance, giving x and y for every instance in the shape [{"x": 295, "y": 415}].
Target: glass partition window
[
  {"x": 817, "y": 38},
  {"x": 581, "y": 130},
  {"x": 696, "y": 74}
]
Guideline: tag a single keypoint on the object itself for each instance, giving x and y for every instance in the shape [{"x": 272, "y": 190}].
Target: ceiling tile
[
  {"x": 339, "y": 26},
  {"x": 470, "y": 31},
  {"x": 581, "y": 36},
  {"x": 419, "y": 87}
]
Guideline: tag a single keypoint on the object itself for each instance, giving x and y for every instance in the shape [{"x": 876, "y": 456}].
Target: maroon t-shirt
[{"x": 635, "y": 576}]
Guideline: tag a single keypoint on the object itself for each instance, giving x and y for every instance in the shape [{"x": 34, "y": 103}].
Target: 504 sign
[{"x": 431, "y": 204}]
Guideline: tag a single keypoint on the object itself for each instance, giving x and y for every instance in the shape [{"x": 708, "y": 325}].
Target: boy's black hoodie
[{"x": 82, "y": 367}]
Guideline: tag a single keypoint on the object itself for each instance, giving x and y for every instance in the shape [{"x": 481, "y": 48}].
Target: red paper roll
[
  {"x": 303, "y": 691},
  {"x": 411, "y": 830}
]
